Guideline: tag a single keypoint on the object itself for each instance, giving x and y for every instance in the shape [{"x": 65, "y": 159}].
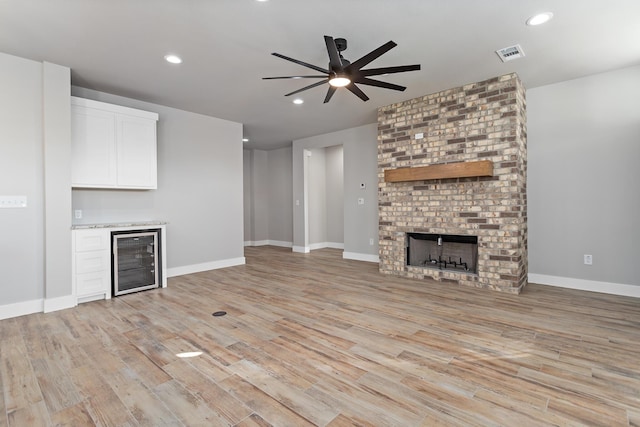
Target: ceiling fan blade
[
  {"x": 389, "y": 70},
  {"x": 356, "y": 91},
  {"x": 334, "y": 56},
  {"x": 304, "y": 64},
  {"x": 307, "y": 87},
  {"x": 330, "y": 92},
  {"x": 378, "y": 83},
  {"x": 295, "y": 77},
  {"x": 371, "y": 56}
]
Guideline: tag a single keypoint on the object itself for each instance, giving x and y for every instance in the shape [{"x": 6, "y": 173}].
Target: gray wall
[
  {"x": 267, "y": 209},
  {"x": 334, "y": 194},
  {"x": 260, "y": 195},
  {"x": 200, "y": 187},
  {"x": 280, "y": 202},
  {"x": 34, "y": 136},
  {"x": 57, "y": 184},
  {"x": 583, "y": 196},
  {"x": 325, "y": 188},
  {"x": 247, "y": 192},
  {"x": 21, "y": 173},
  {"x": 361, "y": 167},
  {"x": 317, "y": 198},
  {"x": 360, "y": 153}
]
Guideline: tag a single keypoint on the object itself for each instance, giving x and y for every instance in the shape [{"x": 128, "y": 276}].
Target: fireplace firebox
[{"x": 443, "y": 252}]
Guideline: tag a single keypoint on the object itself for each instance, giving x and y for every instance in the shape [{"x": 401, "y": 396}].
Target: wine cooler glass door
[{"x": 135, "y": 261}]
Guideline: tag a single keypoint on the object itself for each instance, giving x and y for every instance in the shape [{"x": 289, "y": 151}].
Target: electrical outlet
[
  {"x": 371, "y": 241},
  {"x": 588, "y": 259},
  {"x": 361, "y": 201},
  {"x": 77, "y": 214}
]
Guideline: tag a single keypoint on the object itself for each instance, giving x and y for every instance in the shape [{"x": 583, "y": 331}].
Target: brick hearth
[{"x": 478, "y": 121}]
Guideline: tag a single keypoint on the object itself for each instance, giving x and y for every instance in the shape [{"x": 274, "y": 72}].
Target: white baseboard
[
  {"x": 60, "y": 303},
  {"x": 213, "y": 265},
  {"x": 279, "y": 243},
  {"x": 586, "y": 285},
  {"x": 21, "y": 308},
  {"x": 301, "y": 249},
  {"x": 361, "y": 257},
  {"x": 323, "y": 245},
  {"x": 256, "y": 243}
]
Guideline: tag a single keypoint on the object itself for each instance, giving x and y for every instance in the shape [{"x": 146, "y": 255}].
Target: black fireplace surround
[{"x": 443, "y": 252}]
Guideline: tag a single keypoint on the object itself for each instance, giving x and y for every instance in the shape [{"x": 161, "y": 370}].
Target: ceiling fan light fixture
[
  {"x": 339, "y": 81},
  {"x": 343, "y": 73}
]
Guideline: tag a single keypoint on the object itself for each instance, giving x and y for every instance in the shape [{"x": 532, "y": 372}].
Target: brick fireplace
[{"x": 453, "y": 163}]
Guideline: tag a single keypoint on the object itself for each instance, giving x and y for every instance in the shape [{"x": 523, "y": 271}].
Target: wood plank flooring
[{"x": 314, "y": 340}]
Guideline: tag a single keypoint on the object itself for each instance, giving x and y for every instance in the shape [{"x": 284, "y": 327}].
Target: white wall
[
  {"x": 583, "y": 196},
  {"x": 34, "y": 135},
  {"x": 360, "y": 151},
  {"x": 200, "y": 188}
]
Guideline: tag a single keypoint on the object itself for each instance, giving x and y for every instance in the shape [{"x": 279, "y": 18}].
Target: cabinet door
[
  {"x": 93, "y": 151},
  {"x": 91, "y": 262},
  {"x": 136, "y": 150}
]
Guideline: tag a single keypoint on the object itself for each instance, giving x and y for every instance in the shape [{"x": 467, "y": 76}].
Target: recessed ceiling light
[
  {"x": 539, "y": 19},
  {"x": 245, "y": 139},
  {"x": 174, "y": 59},
  {"x": 298, "y": 101},
  {"x": 262, "y": 0}
]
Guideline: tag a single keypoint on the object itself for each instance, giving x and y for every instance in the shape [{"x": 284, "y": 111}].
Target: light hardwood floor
[{"x": 311, "y": 339}]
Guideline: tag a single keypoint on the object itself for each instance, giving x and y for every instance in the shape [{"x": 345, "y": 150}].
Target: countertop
[{"x": 118, "y": 225}]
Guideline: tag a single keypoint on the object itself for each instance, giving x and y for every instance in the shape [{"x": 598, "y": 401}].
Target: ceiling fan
[{"x": 342, "y": 73}]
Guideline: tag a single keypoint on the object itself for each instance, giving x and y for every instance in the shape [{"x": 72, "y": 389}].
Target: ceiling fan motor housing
[{"x": 341, "y": 44}]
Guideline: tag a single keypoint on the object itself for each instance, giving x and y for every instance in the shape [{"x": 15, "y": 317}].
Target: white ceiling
[{"x": 117, "y": 46}]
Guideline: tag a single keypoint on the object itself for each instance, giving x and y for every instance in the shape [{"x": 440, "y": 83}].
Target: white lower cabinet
[
  {"x": 91, "y": 260},
  {"x": 91, "y": 264}
]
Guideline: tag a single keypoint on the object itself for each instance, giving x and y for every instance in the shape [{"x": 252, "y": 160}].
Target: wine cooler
[{"x": 135, "y": 261}]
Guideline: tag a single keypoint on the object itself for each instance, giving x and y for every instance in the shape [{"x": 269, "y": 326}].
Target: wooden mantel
[{"x": 441, "y": 171}]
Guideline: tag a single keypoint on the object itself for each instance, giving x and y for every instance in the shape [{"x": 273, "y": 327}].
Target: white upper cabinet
[{"x": 112, "y": 146}]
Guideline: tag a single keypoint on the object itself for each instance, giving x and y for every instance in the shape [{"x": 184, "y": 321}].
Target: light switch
[{"x": 13, "y": 201}]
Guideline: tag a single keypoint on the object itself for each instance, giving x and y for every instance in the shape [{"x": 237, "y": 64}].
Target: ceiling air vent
[{"x": 510, "y": 53}]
